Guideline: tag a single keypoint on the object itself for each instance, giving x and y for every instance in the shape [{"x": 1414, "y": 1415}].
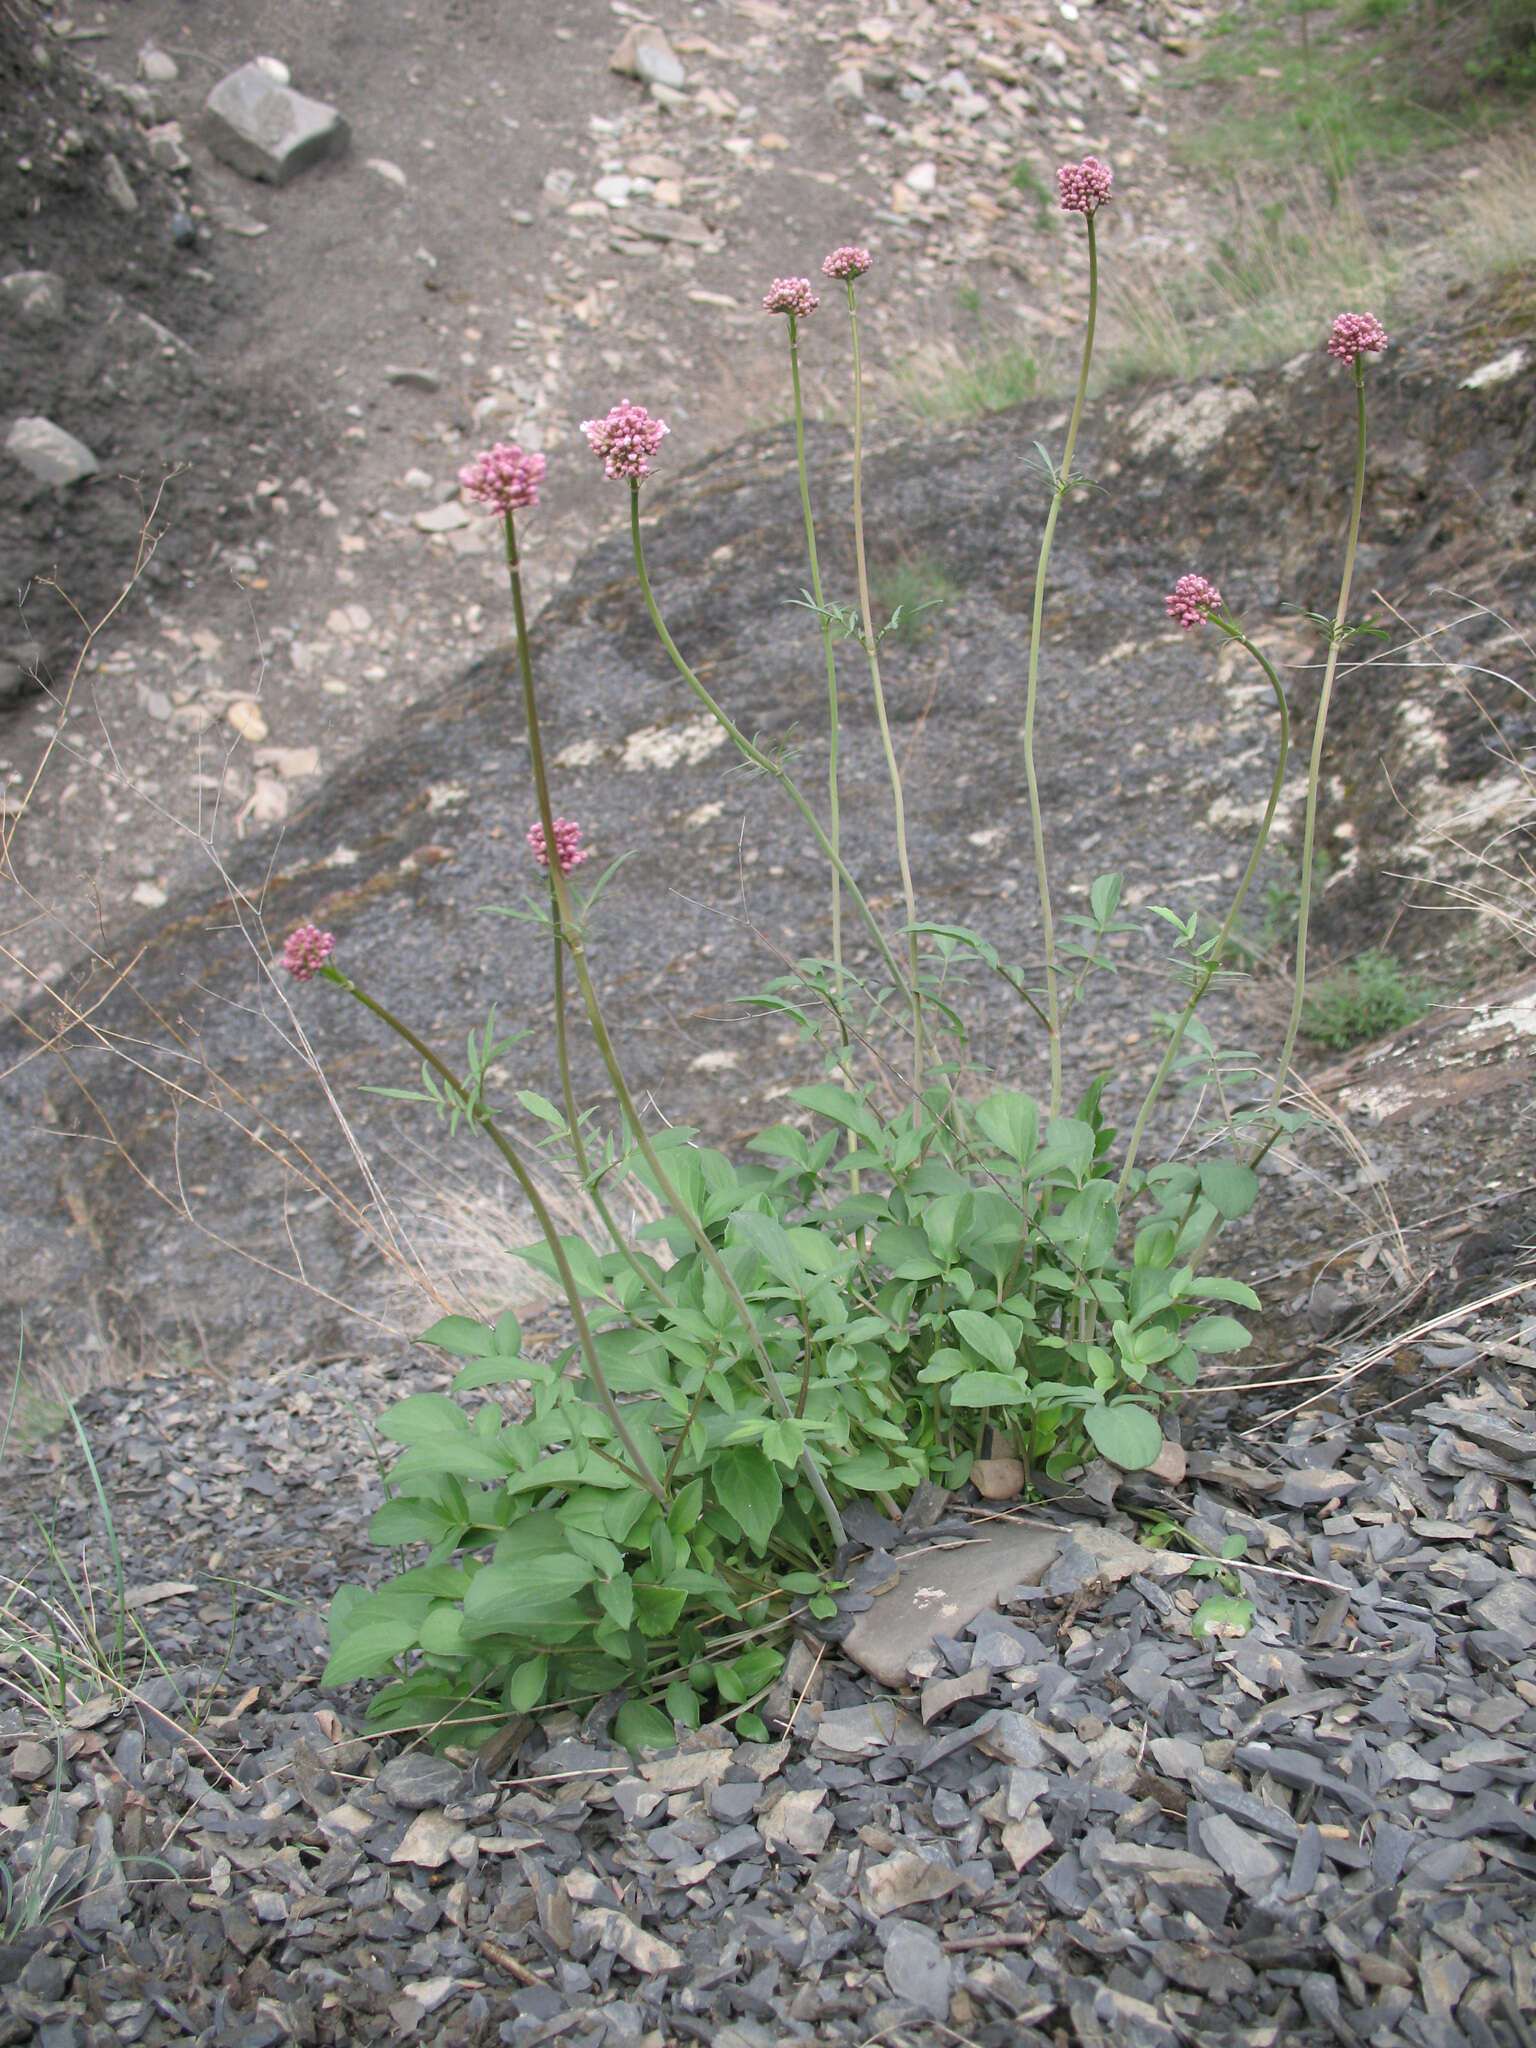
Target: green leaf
[
  {"x": 408, "y": 1520},
  {"x": 1104, "y": 897},
  {"x": 1216, "y": 1333},
  {"x": 747, "y": 1484},
  {"x": 826, "y": 1099},
  {"x": 420, "y": 1417},
  {"x": 771, "y": 1242},
  {"x": 779, "y": 1141},
  {"x": 1224, "y": 1614},
  {"x": 978, "y": 1390},
  {"x": 751, "y": 1727},
  {"x": 442, "y": 1633},
  {"x": 525, "y": 1688},
  {"x": 616, "y": 1597},
  {"x": 1012, "y": 1122},
  {"x": 1218, "y": 1289},
  {"x": 527, "y": 1597},
  {"x": 684, "y": 1704},
  {"x": 1125, "y": 1433},
  {"x": 783, "y": 1442},
  {"x": 641, "y": 1725},
  {"x": 1230, "y": 1188},
  {"x": 657, "y": 1608},
  {"x": 465, "y": 1457},
  {"x": 461, "y": 1335},
  {"x": 1068, "y": 1148},
  {"x": 366, "y": 1651},
  {"x": 994, "y": 1338}
]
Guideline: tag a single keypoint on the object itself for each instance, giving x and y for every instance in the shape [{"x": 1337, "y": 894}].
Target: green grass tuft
[
  {"x": 1367, "y": 998},
  {"x": 958, "y": 388},
  {"x": 916, "y": 589}
]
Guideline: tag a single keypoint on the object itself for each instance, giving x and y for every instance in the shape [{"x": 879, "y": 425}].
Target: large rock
[
  {"x": 266, "y": 130},
  {"x": 48, "y": 453}
]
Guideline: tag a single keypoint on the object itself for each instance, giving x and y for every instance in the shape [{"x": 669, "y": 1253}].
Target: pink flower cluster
[
  {"x": 306, "y": 951},
  {"x": 846, "y": 263},
  {"x": 1084, "y": 187},
  {"x": 1355, "y": 335},
  {"x": 568, "y": 848},
  {"x": 504, "y": 477},
  {"x": 792, "y": 295},
  {"x": 1192, "y": 600},
  {"x": 626, "y": 440}
]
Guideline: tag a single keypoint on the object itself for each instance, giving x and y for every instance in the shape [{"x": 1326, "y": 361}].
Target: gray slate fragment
[
  {"x": 1301, "y": 1772},
  {"x": 268, "y": 131},
  {"x": 35, "y": 296},
  {"x": 114, "y": 182},
  {"x": 418, "y": 1780},
  {"x": 939, "y": 1591},
  {"x": 1251, "y": 1864},
  {"x": 48, "y": 453},
  {"x": 916, "y": 1967}
]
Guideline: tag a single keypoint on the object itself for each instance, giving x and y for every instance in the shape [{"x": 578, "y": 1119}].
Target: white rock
[
  {"x": 1188, "y": 427},
  {"x": 383, "y": 168},
  {"x": 276, "y": 70},
  {"x": 158, "y": 67},
  {"x": 48, "y": 453},
  {"x": 35, "y": 296},
  {"x": 614, "y": 190},
  {"x": 922, "y": 179},
  {"x": 442, "y": 518},
  {"x": 1500, "y": 370},
  {"x": 667, "y": 746},
  {"x": 244, "y": 717},
  {"x": 260, "y": 127},
  {"x": 150, "y": 894},
  {"x": 114, "y": 182}
]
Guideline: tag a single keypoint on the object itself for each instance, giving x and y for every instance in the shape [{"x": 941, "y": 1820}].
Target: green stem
[
  {"x": 1062, "y": 484},
  {"x": 481, "y": 1117},
  {"x": 1203, "y": 981},
  {"x": 834, "y": 835},
  {"x": 547, "y": 823},
  {"x": 753, "y": 753},
  {"x": 872, "y": 650},
  {"x": 1314, "y": 771}
]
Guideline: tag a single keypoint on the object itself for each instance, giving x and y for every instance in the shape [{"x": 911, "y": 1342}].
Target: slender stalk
[
  {"x": 834, "y": 835},
  {"x": 547, "y": 823},
  {"x": 753, "y": 753},
  {"x": 1061, "y": 485},
  {"x": 1203, "y": 981},
  {"x": 480, "y": 1116},
  {"x": 872, "y": 650},
  {"x": 1319, "y": 724}
]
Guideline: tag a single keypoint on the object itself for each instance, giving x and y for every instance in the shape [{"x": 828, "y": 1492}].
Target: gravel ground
[{"x": 1080, "y": 1822}]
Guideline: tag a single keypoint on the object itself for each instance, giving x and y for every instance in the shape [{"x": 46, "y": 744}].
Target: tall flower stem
[
  {"x": 569, "y": 932},
  {"x": 834, "y": 835},
  {"x": 1204, "y": 979},
  {"x": 753, "y": 753},
  {"x": 872, "y": 650},
  {"x": 478, "y": 1115},
  {"x": 547, "y": 823},
  {"x": 1062, "y": 483},
  {"x": 560, "y": 930},
  {"x": 1319, "y": 725}
]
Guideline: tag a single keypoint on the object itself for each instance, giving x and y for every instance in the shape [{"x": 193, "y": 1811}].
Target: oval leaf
[{"x": 1125, "y": 1433}]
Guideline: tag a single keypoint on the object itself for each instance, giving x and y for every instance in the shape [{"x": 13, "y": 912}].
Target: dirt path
[{"x": 469, "y": 270}]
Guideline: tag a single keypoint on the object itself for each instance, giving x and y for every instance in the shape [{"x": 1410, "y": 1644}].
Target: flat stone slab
[
  {"x": 48, "y": 453},
  {"x": 266, "y": 130},
  {"x": 940, "y": 1588}
]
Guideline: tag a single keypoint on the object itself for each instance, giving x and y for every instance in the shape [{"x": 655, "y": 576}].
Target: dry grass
[{"x": 1263, "y": 292}]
